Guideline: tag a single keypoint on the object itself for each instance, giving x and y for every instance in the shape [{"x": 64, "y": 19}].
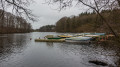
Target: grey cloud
[{"x": 47, "y": 14}]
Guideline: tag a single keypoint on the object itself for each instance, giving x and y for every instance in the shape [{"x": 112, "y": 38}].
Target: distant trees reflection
[{"x": 11, "y": 44}]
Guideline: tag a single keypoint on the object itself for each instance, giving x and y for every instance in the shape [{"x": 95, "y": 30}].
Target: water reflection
[
  {"x": 92, "y": 52},
  {"x": 49, "y": 44},
  {"x": 17, "y": 50},
  {"x": 11, "y": 44}
]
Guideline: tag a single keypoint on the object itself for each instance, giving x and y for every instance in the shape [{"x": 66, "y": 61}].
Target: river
[{"x": 17, "y": 50}]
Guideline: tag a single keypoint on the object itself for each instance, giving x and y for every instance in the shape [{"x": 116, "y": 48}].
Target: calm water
[{"x": 17, "y": 50}]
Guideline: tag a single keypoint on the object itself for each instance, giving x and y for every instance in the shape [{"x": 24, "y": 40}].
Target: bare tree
[{"x": 19, "y": 8}]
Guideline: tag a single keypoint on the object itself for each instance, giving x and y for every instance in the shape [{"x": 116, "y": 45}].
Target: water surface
[{"x": 17, "y": 50}]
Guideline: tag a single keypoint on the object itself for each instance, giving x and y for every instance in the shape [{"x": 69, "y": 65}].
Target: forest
[
  {"x": 90, "y": 22},
  {"x": 10, "y": 23},
  {"x": 47, "y": 28}
]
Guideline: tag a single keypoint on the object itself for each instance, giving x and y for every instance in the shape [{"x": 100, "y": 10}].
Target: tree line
[
  {"x": 10, "y": 23},
  {"x": 47, "y": 28},
  {"x": 90, "y": 22}
]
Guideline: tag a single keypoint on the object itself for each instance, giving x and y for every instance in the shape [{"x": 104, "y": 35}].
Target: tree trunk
[{"x": 118, "y": 2}]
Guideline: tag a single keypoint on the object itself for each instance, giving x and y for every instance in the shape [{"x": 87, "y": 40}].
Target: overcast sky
[{"x": 48, "y": 15}]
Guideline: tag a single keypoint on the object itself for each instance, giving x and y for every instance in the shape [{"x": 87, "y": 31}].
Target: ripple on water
[{"x": 17, "y": 50}]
